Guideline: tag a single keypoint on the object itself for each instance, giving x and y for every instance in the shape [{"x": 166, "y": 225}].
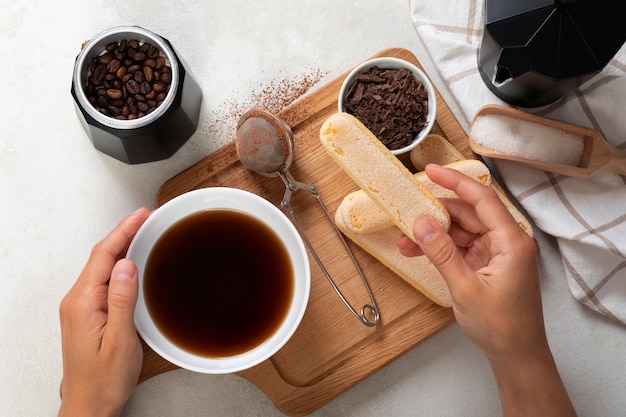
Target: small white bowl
[
  {"x": 230, "y": 199},
  {"x": 395, "y": 63}
]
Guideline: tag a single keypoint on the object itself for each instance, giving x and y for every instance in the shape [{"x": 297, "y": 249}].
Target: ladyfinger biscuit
[
  {"x": 434, "y": 149},
  {"x": 379, "y": 173},
  {"x": 417, "y": 271},
  {"x": 365, "y": 216}
]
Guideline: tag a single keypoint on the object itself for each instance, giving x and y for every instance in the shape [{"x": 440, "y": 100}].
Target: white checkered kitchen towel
[{"x": 587, "y": 217}]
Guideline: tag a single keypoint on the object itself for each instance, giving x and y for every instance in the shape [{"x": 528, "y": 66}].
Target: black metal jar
[{"x": 154, "y": 136}]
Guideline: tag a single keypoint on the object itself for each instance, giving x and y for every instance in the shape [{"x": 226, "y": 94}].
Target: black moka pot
[{"x": 534, "y": 52}]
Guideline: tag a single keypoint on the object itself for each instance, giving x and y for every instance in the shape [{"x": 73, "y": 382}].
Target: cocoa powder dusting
[{"x": 273, "y": 97}]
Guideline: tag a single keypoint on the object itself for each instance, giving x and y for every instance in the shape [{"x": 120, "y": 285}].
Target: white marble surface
[{"x": 58, "y": 196}]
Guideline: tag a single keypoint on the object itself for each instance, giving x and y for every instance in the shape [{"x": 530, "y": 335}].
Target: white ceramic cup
[{"x": 229, "y": 199}]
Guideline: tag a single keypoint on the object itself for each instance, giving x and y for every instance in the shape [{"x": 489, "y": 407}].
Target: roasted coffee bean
[
  {"x": 99, "y": 73},
  {"x": 101, "y": 101},
  {"x": 128, "y": 80},
  {"x": 114, "y": 110},
  {"x": 145, "y": 87},
  {"x": 114, "y": 94},
  {"x": 139, "y": 77},
  {"x": 152, "y": 52},
  {"x": 121, "y": 72},
  {"x": 113, "y": 65},
  {"x": 105, "y": 58},
  {"x": 139, "y": 57},
  {"x": 147, "y": 73},
  {"x": 134, "y": 68},
  {"x": 142, "y": 106},
  {"x": 132, "y": 86}
]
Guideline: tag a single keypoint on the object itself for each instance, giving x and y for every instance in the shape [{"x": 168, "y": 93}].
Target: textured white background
[{"x": 58, "y": 196}]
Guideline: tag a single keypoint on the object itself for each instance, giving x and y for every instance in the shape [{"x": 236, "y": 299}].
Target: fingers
[
  {"x": 122, "y": 297},
  {"x": 490, "y": 213},
  {"x": 106, "y": 252},
  {"x": 441, "y": 250}
]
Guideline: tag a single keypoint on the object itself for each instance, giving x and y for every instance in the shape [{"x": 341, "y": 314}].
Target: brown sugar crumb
[{"x": 391, "y": 103}]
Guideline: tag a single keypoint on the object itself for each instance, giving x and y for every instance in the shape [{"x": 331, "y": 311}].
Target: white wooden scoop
[{"x": 597, "y": 154}]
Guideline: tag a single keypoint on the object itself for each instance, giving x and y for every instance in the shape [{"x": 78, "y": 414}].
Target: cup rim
[
  {"x": 95, "y": 46},
  {"x": 220, "y": 198},
  {"x": 395, "y": 63}
]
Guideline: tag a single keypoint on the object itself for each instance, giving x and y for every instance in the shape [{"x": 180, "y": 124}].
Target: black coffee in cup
[{"x": 218, "y": 283}]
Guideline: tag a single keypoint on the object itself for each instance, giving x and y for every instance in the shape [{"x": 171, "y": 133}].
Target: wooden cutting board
[{"x": 331, "y": 351}]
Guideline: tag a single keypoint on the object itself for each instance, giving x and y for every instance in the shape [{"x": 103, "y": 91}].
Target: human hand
[
  {"x": 102, "y": 354},
  {"x": 490, "y": 266}
]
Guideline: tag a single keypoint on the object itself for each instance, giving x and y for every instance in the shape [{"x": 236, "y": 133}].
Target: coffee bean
[
  {"x": 101, "y": 101},
  {"x": 139, "y": 77},
  {"x": 113, "y": 65},
  {"x": 105, "y": 58},
  {"x": 148, "y": 74},
  {"x": 114, "y": 111},
  {"x": 145, "y": 87},
  {"x": 128, "y": 80},
  {"x": 99, "y": 73},
  {"x": 152, "y": 52},
  {"x": 120, "y": 72},
  {"x": 134, "y": 68},
  {"x": 114, "y": 94},
  {"x": 123, "y": 46},
  {"x": 132, "y": 86},
  {"x": 142, "y": 106}
]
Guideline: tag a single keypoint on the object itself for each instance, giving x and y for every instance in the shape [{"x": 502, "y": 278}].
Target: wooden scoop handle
[{"x": 617, "y": 164}]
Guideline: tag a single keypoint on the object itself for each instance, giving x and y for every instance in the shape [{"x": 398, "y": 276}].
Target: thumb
[
  {"x": 122, "y": 297},
  {"x": 439, "y": 248}
]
